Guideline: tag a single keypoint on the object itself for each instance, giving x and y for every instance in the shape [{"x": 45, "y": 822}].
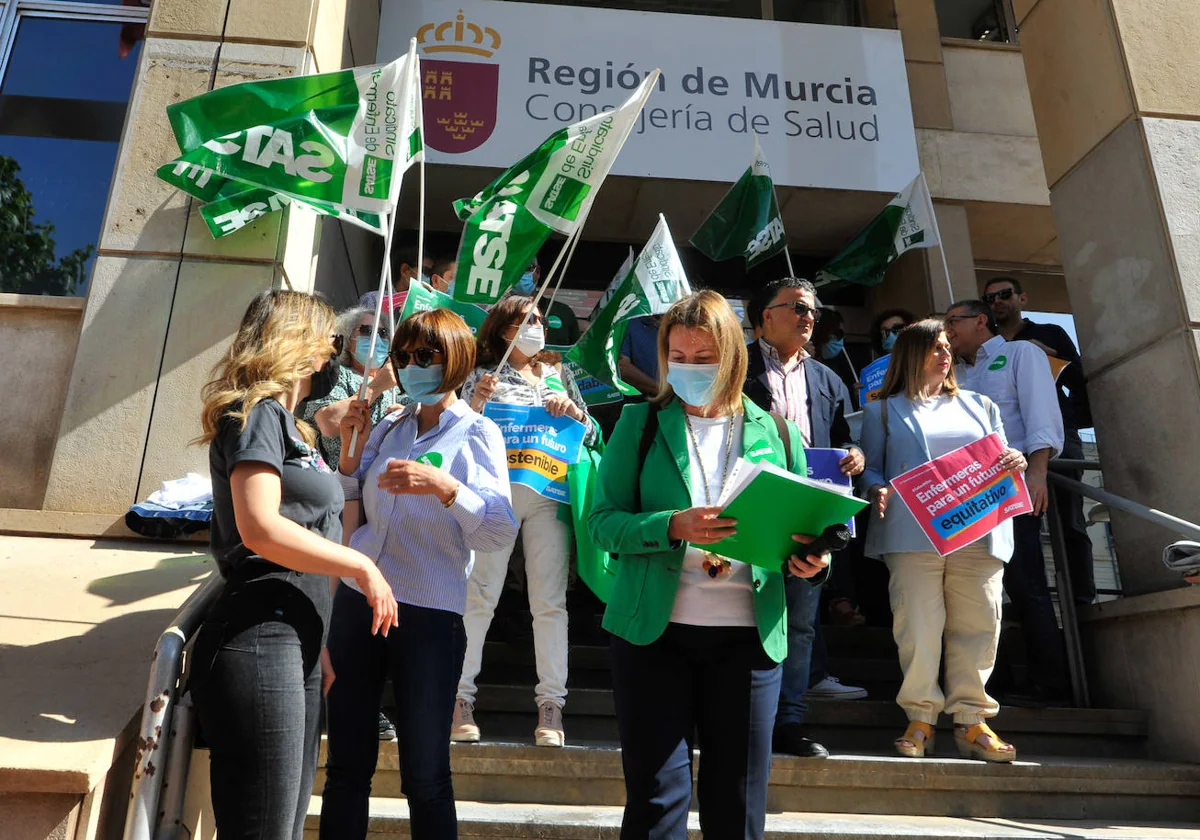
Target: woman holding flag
[
  {"x": 952, "y": 602},
  {"x": 531, "y": 376}
]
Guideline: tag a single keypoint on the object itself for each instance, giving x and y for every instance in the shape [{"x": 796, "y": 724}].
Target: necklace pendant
[{"x": 716, "y": 565}]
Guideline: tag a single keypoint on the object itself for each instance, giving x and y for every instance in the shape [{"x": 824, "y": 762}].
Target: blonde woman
[
  {"x": 937, "y": 602},
  {"x": 276, "y": 536},
  {"x": 698, "y": 638}
]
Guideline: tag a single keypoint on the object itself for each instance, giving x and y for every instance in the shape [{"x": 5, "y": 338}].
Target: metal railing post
[
  {"x": 162, "y": 693},
  {"x": 1066, "y": 601}
]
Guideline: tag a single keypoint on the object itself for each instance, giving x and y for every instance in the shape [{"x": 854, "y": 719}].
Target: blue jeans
[
  {"x": 256, "y": 683},
  {"x": 806, "y": 657},
  {"x": 713, "y": 681},
  {"x": 424, "y": 657}
]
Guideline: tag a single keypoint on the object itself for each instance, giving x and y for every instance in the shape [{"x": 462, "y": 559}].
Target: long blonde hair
[
  {"x": 906, "y": 371},
  {"x": 708, "y": 311},
  {"x": 281, "y": 333}
]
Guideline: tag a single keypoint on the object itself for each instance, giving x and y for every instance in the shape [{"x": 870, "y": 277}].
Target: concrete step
[
  {"x": 389, "y": 821},
  {"x": 1033, "y": 788},
  {"x": 845, "y": 726}
]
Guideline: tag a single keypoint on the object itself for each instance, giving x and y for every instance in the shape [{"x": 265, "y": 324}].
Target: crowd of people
[{"x": 364, "y": 522}]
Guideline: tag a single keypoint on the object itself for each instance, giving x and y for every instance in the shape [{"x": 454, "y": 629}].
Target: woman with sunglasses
[
  {"x": 531, "y": 376},
  {"x": 356, "y": 361},
  {"x": 886, "y": 327},
  {"x": 427, "y": 491},
  {"x": 256, "y": 666}
]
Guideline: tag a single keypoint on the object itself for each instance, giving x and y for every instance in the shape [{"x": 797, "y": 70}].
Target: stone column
[
  {"x": 165, "y": 298},
  {"x": 1114, "y": 84}
]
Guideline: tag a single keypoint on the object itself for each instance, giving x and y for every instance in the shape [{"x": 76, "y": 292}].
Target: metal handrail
[
  {"x": 155, "y": 765},
  {"x": 1066, "y": 590}
]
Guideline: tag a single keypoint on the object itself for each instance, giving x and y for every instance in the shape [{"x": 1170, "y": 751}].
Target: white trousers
[
  {"x": 953, "y": 601},
  {"x": 546, "y": 541}
]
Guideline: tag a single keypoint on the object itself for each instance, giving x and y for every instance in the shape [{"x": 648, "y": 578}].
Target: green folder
[{"x": 770, "y": 504}]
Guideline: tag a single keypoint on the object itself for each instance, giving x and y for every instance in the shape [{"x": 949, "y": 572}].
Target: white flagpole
[
  {"x": 421, "y": 217},
  {"x": 941, "y": 242},
  {"x": 384, "y": 281}
]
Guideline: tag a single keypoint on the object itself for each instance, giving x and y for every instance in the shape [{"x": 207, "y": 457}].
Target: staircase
[{"x": 1085, "y": 766}]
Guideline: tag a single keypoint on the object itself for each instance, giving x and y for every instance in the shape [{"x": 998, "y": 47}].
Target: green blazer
[{"x": 648, "y": 566}]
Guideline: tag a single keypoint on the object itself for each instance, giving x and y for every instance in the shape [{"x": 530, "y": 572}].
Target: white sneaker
[
  {"x": 831, "y": 688},
  {"x": 464, "y": 729},
  {"x": 549, "y": 732}
]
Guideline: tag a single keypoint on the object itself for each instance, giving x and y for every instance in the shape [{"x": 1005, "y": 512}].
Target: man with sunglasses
[
  {"x": 783, "y": 378},
  {"x": 1008, "y": 300},
  {"x": 1016, "y": 376}
]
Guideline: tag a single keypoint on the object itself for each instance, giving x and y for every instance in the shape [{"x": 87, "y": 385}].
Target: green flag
[
  {"x": 343, "y": 138},
  {"x": 421, "y": 298},
  {"x": 548, "y": 190},
  {"x": 905, "y": 224},
  {"x": 656, "y": 281},
  {"x": 747, "y": 222},
  {"x": 231, "y": 205}
]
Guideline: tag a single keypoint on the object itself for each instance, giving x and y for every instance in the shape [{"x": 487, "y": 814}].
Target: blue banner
[
  {"x": 540, "y": 447},
  {"x": 823, "y": 466},
  {"x": 872, "y": 380}
]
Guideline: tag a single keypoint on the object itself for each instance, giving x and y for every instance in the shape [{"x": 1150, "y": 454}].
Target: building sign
[{"x": 830, "y": 104}]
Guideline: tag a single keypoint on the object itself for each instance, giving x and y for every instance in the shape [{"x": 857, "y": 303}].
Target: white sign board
[{"x": 830, "y": 104}]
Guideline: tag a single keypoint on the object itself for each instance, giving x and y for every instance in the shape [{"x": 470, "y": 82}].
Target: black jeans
[
  {"x": 424, "y": 657},
  {"x": 1025, "y": 583},
  {"x": 714, "y": 680},
  {"x": 256, "y": 685},
  {"x": 1080, "y": 563}
]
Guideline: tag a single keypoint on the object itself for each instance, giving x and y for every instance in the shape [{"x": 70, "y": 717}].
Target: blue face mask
[
  {"x": 833, "y": 348},
  {"x": 422, "y": 383},
  {"x": 525, "y": 285},
  {"x": 889, "y": 341},
  {"x": 362, "y": 351},
  {"x": 694, "y": 384}
]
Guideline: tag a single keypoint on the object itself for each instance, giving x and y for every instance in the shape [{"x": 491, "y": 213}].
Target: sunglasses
[
  {"x": 339, "y": 341},
  {"x": 1003, "y": 294},
  {"x": 954, "y": 319},
  {"x": 800, "y": 309},
  {"x": 896, "y": 330},
  {"x": 364, "y": 330},
  {"x": 422, "y": 357},
  {"x": 534, "y": 318}
]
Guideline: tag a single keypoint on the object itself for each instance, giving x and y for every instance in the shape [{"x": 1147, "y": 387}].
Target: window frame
[{"x": 12, "y": 12}]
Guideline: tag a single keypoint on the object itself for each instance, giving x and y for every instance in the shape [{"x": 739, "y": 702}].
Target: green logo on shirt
[
  {"x": 555, "y": 322},
  {"x": 555, "y": 384},
  {"x": 999, "y": 364},
  {"x": 433, "y": 459},
  {"x": 760, "y": 453}
]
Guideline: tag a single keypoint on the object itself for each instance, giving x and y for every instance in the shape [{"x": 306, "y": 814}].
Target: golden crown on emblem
[{"x": 458, "y": 36}]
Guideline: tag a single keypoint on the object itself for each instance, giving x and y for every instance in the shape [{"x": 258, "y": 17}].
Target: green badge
[
  {"x": 999, "y": 364},
  {"x": 760, "y": 454},
  {"x": 433, "y": 459},
  {"x": 555, "y": 384},
  {"x": 555, "y": 322}
]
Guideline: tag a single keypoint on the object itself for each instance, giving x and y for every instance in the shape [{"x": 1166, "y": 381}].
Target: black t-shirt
[
  {"x": 311, "y": 495},
  {"x": 1071, "y": 383}
]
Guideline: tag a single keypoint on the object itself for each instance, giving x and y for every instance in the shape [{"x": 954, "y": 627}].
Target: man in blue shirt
[
  {"x": 639, "y": 355},
  {"x": 1016, "y": 376}
]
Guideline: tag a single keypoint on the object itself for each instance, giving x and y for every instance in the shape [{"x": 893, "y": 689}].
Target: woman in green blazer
[{"x": 698, "y": 638}]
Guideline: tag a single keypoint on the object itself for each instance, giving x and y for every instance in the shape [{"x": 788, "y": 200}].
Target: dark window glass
[
  {"x": 723, "y": 8},
  {"x": 62, "y": 107},
  {"x": 831, "y": 12},
  {"x": 976, "y": 20}
]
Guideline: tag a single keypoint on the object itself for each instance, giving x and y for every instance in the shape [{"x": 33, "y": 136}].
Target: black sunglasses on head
[
  {"x": 1003, "y": 294},
  {"x": 422, "y": 357},
  {"x": 800, "y": 309}
]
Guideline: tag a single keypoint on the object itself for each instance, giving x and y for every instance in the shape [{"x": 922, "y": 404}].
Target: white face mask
[{"x": 531, "y": 339}]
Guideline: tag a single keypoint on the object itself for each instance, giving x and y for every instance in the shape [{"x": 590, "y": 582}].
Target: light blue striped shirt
[{"x": 426, "y": 551}]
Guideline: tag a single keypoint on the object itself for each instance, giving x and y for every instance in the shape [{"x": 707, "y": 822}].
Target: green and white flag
[
  {"x": 613, "y": 285},
  {"x": 343, "y": 138},
  {"x": 421, "y": 298},
  {"x": 747, "y": 222},
  {"x": 228, "y": 206},
  {"x": 905, "y": 224},
  {"x": 548, "y": 190},
  {"x": 656, "y": 281}
]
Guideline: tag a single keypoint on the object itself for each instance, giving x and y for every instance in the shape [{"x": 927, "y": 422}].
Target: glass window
[
  {"x": 977, "y": 20},
  {"x": 723, "y": 8},
  {"x": 832, "y": 12},
  {"x": 62, "y": 108}
]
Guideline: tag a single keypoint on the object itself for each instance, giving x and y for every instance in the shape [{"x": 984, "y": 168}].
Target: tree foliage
[{"x": 28, "y": 264}]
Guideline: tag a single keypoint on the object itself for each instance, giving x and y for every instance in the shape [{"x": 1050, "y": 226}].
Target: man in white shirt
[{"x": 1016, "y": 376}]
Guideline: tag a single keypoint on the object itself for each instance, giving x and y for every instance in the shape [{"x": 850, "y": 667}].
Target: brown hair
[
  {"x": 280, "y": 335},
  {"x": 708, "y": 311},
  {"x": 906, "y": 371},
  {"x": 443, "y": 330},
  {"x": 507, "y": 311}
]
